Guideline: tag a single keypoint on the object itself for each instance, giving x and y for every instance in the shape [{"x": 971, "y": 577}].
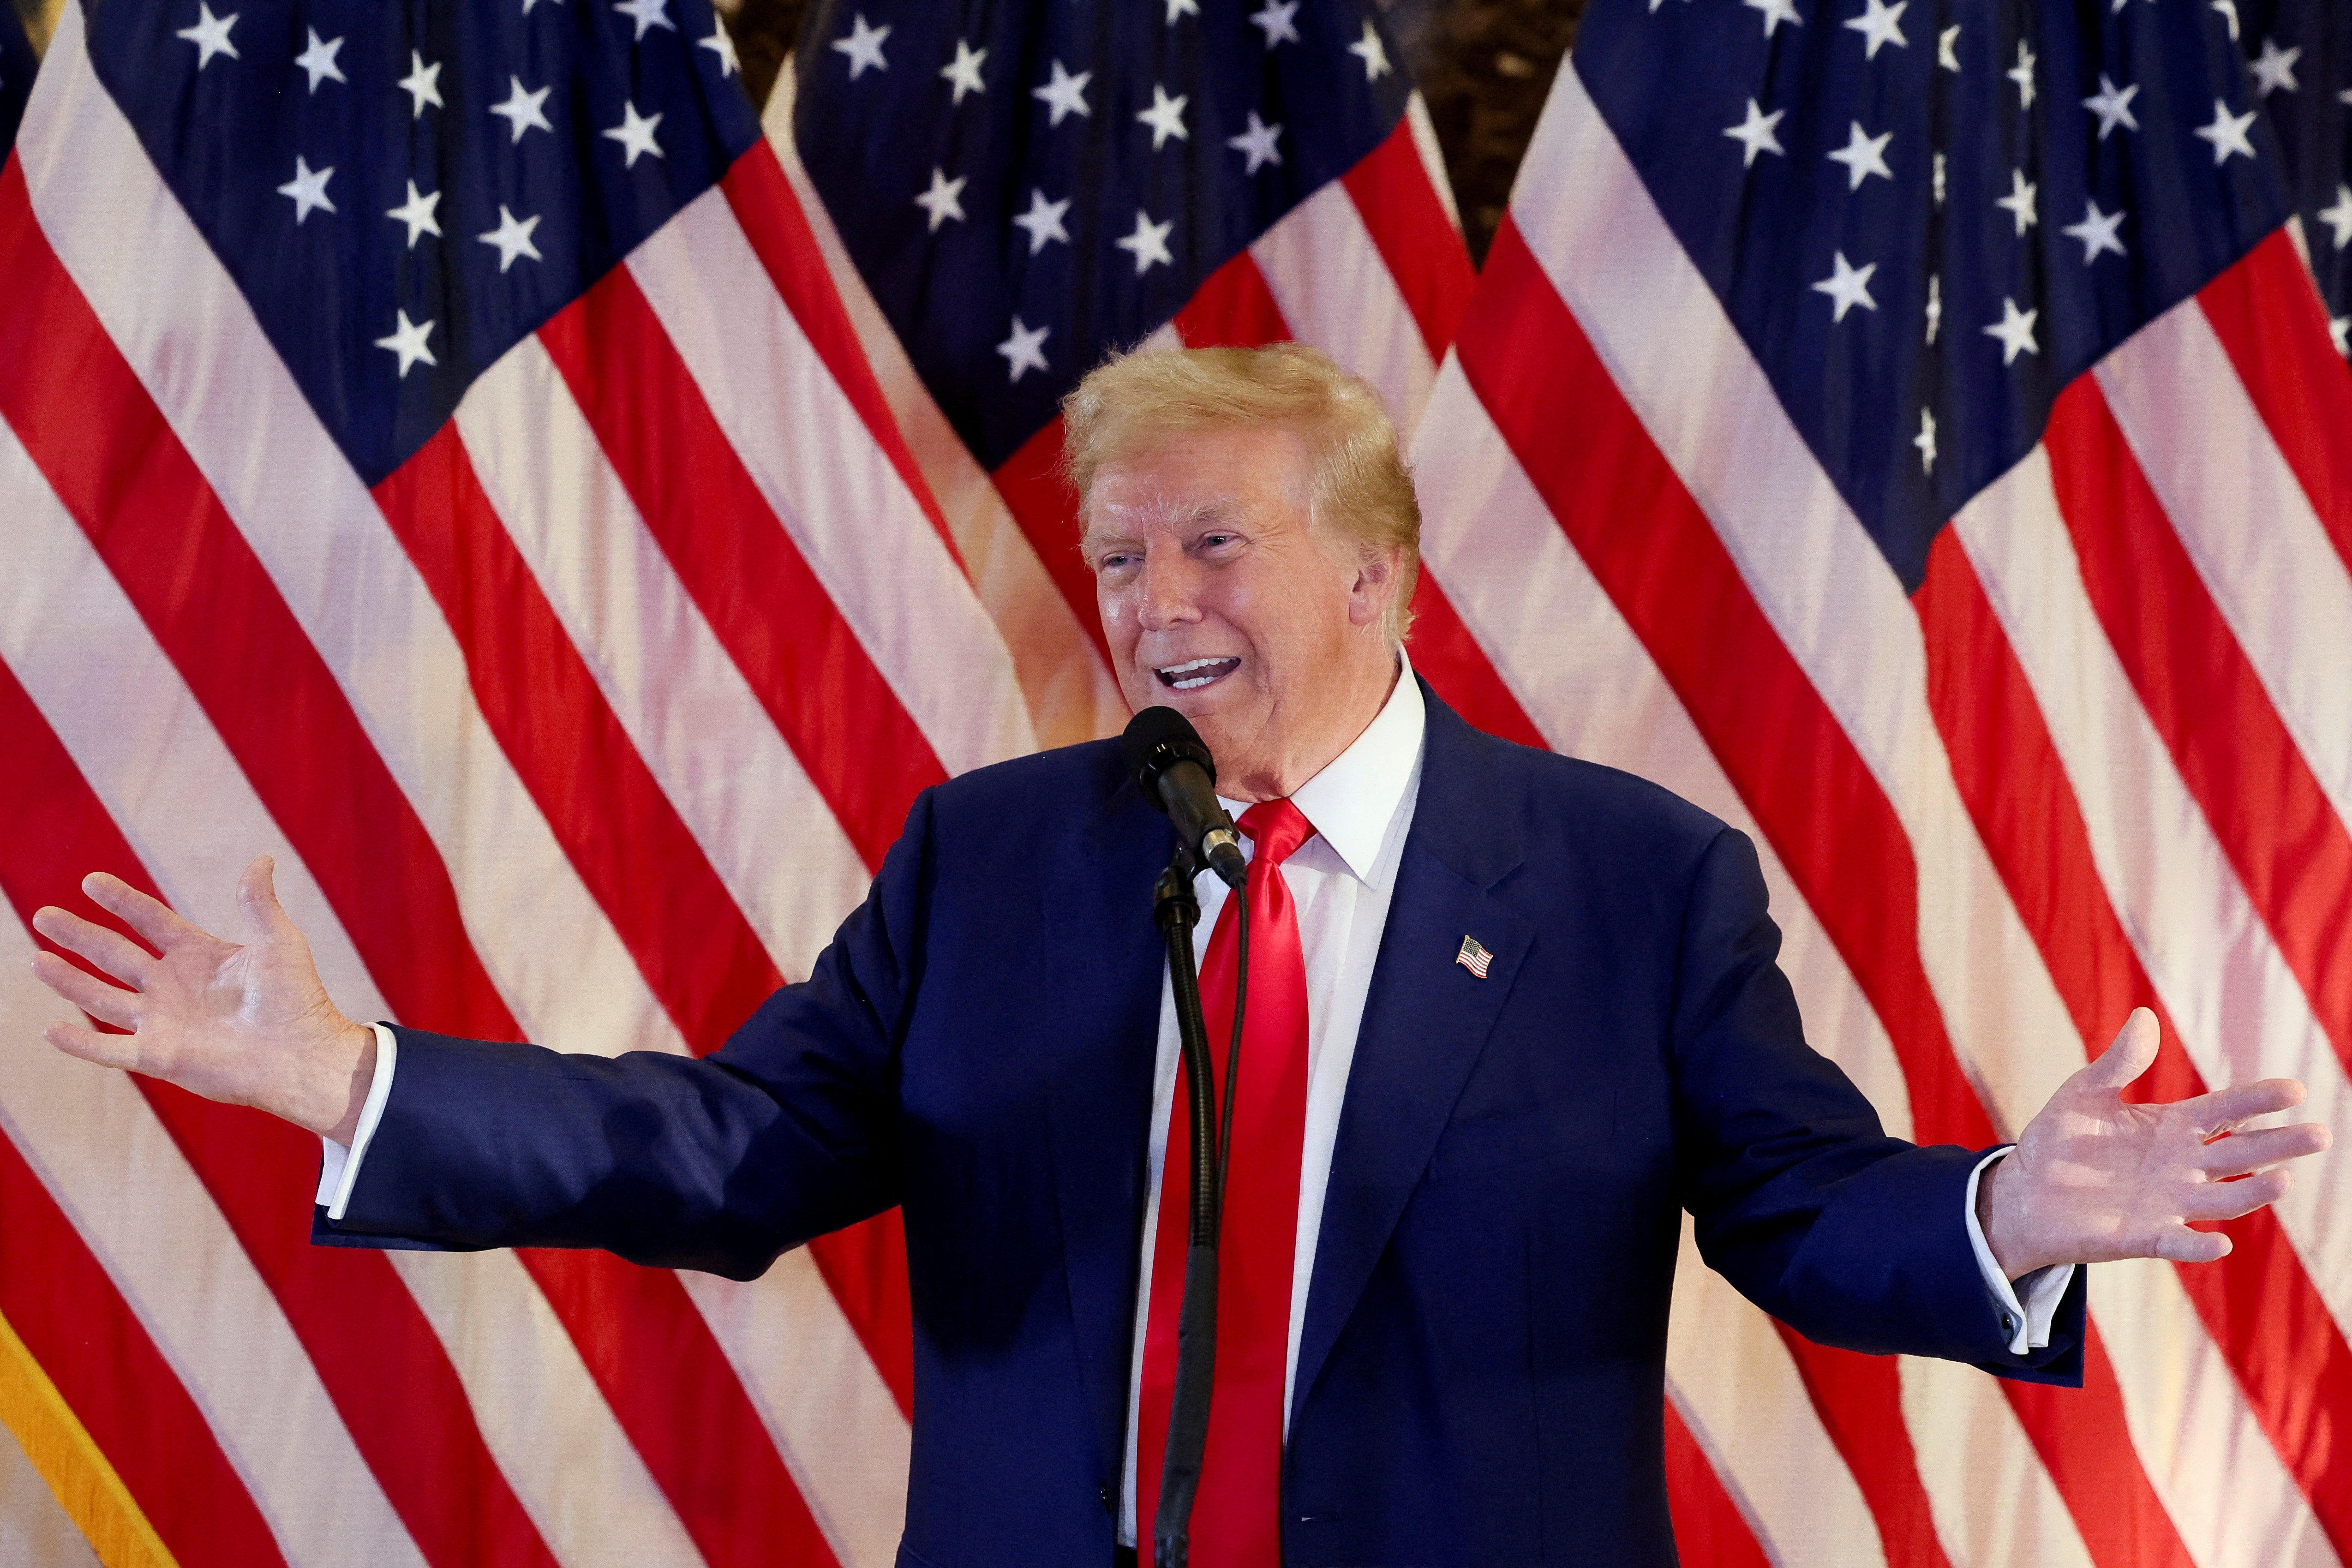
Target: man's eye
[
  {"x": 1114, "y": 562},
  {"x": 1216, "y": 540}
]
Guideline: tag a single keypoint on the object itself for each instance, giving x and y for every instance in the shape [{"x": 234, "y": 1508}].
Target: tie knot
[{"x": 1278, "y": 829}]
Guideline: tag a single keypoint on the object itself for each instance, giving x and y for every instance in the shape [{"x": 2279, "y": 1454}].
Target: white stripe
[
  {"x": 1326, "y": 273},
  {"x": 694, "y": 719},
  {"x": 1071, "y": 694},
  {"x": 817, "y": 1391},
  {"x": 153, "y": 759},
  {"x": 2241, "y": 1013},
  {"x": 1734, "y": 1381},
  {"x": 230, "y": 399},
  {"x": 121, "y": 1180},
  {"x": 35, "y": 1531},
  {"x": 2244, "y": 519},
  {"x": 1432, "y": 154},
  {"x": 845, "y": 506}
]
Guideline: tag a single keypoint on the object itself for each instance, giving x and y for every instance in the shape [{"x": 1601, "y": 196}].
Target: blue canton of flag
[
  {"x": 1926, "y": 218},
  {"x": 2300, "y": 55},
  {"x": 16, "y": 67},
  {"x": 1026, "y": 188},
  {"x": 403, "y": 191}
]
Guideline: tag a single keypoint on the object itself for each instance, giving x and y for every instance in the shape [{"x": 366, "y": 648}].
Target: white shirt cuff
[
  {"x": 339, "y": 1169},
  {"x": 2028, "y": 1321}
]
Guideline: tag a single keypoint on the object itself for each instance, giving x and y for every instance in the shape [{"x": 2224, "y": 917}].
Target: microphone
[{"x": 1178, "y": 775}]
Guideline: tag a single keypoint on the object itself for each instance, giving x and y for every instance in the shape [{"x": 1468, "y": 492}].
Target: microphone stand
[{"x": 1177, "y": 912}]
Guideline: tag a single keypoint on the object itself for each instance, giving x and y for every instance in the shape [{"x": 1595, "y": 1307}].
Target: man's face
[{"x": 1220, "y": 599}]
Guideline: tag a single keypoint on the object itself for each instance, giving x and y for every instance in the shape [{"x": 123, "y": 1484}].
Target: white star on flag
[
  {"x": 1065, "y": 93},
  {"x": 416, "y": 212},
  {"x": 1935, "y": 306},
  {"x": 722, "y": 43},
  {"x": 2275, "y": 67},
  {"x": 1775, "y": 12},
  {"x": 1925, "y": 442},
  {"x": 1043, "y": 221},
  {"x": 210, "y": 35},
  {"x": 636, "y": 133},
  {"x": 2015, "y": 330},
  {"x": 863, "y": 46},
  {"x": 523, "y": 110},
  {"x": 2227, "y": 133},
  {"x": 2229, "y": 10},
  {"x": 647, "y": 15},
  {"x": 1373, "y": 52},
  {"x": 944, "y": 199},
  {"x": 1755, "y": 134},
  {"x": 512, "y": 237},
  {"x": 423, "y": 84},
  {"x": 2112, "y": 104},
  {"x": 318, "y": 59},
  {"x": 1275, "y": 20},
  {"x": 1149, "y": 243},
  {"x": 2019, "y": 203},
  {"x": 1848, "y": 286},
  {"x": 2096, "y": 231},
  {"x": 1258, "y": 142},
  {"x": 2021, "y": 73},
  {"x": 1024, "y": 350},
  {"x": 1880, "y": 24},
  {"x": 1182, "y": 8},
  {"x": 2339, "y": 327},
  {"x": 2338, "y": 218},
  {"x": 1864, "y": 156},
  {"x": 407, "y": 340},
  {"x": 1947, "y": 48},
  {"x": 1166, "y": 117},
  {"x": 309, "y": 189},
  {"x": 963, "y": 73}
]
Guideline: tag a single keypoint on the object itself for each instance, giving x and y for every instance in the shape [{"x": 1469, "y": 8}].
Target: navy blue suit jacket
[{"x": 1479, "y": 1375}]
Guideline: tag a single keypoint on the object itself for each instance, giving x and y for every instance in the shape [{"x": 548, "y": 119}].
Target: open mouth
[{"x": 1195, "y": 674}]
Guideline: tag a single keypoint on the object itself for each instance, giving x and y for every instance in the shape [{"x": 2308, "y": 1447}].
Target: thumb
[
  {"x": 2132, "y": 1054},
  {"x": 257, "y": 895}
]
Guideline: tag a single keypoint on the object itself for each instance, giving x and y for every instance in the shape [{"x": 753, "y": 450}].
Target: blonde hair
[{"x": 1359, "y": 480}]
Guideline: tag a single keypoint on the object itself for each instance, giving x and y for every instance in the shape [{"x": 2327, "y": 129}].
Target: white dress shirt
[{"x": 1360, "y": 806}]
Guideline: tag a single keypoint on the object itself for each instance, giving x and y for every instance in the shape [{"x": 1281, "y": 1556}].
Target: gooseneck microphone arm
[{"x": 1178, "y": 775}]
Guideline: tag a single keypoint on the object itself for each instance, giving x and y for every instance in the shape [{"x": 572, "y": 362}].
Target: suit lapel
[
  {"x": 1098, "y": 1098},
  {"x": 1426, "y": 1019}
]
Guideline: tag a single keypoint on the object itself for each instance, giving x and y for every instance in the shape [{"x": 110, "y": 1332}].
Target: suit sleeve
[
  {"x": 1800, "y": 1199},
  {"x": 787, "y": 1131}
]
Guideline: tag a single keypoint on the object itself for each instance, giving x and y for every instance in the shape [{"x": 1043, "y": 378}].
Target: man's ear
[{"x": 1375, "y": 585}]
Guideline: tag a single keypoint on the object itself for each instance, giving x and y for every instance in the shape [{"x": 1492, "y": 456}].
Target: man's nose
[{"x": 1165, "y": 596}]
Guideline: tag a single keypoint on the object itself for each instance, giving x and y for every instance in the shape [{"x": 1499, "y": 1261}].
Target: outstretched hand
[
  {"x": 250, "y": 1025},
  {"x": 2093, "y": 1177}
]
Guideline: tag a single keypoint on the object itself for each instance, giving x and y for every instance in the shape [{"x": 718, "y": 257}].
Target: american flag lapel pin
[{"x": 1473, "y": 957}]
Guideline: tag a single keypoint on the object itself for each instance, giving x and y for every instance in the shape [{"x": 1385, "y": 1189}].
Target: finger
[
  {"x": 2224, "y": 1109},
  {"x": 108, "y": 1003},
  {"x": 2181, "y": 1245},
  {"x": 2244, "y": 1151},
  {"x": 2227, "y": 1200},
  {"x": 148, "y": 916},
  {"x": 257, "y": 895},
  {"x": 2132, "y": 1054},
  {"x": 91, "y": 1045},
  {"x": 102, "y": 945}
]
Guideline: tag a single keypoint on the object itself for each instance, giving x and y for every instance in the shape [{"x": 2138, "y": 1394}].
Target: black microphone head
[{"x": 1155, "y": 740}]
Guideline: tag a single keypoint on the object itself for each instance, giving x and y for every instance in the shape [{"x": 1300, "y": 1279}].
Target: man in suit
[{"x": 1509, "y": 1014}]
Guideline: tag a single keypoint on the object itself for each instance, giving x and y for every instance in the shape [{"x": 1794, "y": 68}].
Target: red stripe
[
  {"x": 1860, "y": 1398},
  {"x": 1709, "y": 1529},
  {"x": 779, "y": 233},
  {"x": 67, "y": 1311},
  {"x": 537, "y": 695},
  {"x": 1835, "y": 829},
  {"x": 1458, "y": 670},
  {"x": 1232, "y": 308},
  {"x": 1045, "y": 507},
  {"x": 2272, "y": 820},
  {"x": 853, "y": 736},
  {"x": 116, "y": 467},
  {"x": 1423, "y": 250},
  {"x": 2287, "y": 1353},
  {"x": 865, "y": 1267},
  {"x": 2272, "y": 324}
]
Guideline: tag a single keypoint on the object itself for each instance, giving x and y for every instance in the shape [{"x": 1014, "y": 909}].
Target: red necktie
[{"x": 1236, "y": 1515}]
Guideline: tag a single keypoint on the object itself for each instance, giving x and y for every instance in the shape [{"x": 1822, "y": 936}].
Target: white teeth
[
  {"x": 1196, "y": 663},
  {"x": 1199, "y": 672}
]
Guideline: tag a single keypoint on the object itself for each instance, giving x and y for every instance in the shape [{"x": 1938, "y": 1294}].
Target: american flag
[
  {"x": 448, "y": 448},
  {"x": 1909, "y": 431}
]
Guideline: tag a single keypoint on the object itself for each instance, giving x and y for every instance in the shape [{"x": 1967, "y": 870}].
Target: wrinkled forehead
[{"x": 1183, "y": 479}]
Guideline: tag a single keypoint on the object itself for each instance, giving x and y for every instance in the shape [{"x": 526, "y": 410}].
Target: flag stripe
[
  {"x": 1047, "y": 511},
  {"x": 1679, "y": 588},
  {"x": 1334, "y": 287},
  {"x": 1861, "y": 1401},
  {"x": 1232, "y": 308},
  {"x": 1397, "y": 197},
  {"x": 1709, "y": 1526},
  {"x": 2290, "y": 850},
  {"x": 2273, "y": 326},
  {"x": 1445, "y": 652}
]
